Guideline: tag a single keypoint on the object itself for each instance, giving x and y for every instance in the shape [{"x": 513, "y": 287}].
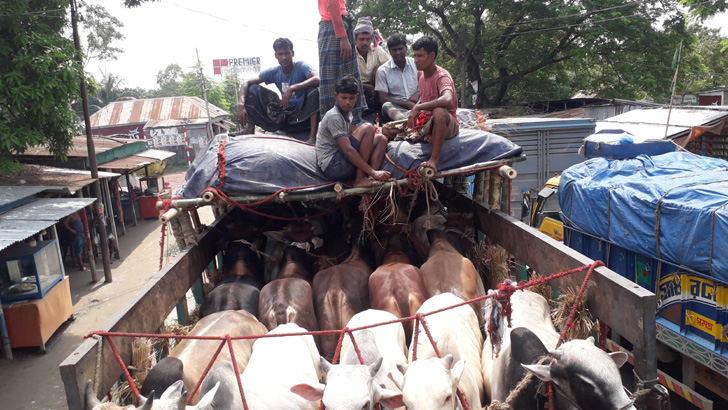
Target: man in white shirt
[
  {"x": 369, "y": 59},
  {"x": 396, "y": 81}
]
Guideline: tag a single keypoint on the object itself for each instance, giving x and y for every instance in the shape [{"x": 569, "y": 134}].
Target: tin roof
[
  {"x": 650, "y": 123},
  {"x": 26, "y": 220},
  {"x": 50, "y": 179},
  {"x": 175, "y": 122},
  {"x": 137, "y": 161},
  {"x": 142, "y": 111},
  {"x": 12, "y": 196},
  {"x": 79, "y": 148}
]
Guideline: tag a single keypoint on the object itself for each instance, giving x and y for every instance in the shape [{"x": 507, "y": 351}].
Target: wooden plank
[
  {"x": 144, "y": 313},
  {"x": 714, "y": 381},
  {"x": 626, "y": 307}
]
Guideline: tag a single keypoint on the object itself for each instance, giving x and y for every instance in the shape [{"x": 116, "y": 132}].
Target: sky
[{"x": 169, "y": 31}]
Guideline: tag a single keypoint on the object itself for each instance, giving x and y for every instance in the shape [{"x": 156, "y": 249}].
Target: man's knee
[
  {"x": 367, "y": 128},
  {"x": 380, "y": 139},
  {"x": 440, "y": 113}
]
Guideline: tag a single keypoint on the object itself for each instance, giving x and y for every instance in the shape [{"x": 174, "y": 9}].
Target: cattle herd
[{"x": 309, "y": 293}]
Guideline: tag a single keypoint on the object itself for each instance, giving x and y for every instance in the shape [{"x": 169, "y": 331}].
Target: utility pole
[
  {"x": 96, "y": 186},
  {"x": 674, "y": 86},
  {"x": 204, "y": 95}
]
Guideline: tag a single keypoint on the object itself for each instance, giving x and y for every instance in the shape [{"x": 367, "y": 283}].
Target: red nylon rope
[{"x": 221, "y": 164}]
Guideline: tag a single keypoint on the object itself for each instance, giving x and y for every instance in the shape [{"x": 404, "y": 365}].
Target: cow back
[{"x": 399, "y": 289}]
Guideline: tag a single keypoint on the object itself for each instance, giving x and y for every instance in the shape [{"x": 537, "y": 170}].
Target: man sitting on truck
[
  {"x": 433, "y": 119},
  {"x": 296, "y": 109},
  {"x": 396, "y": 84},
  {"x": 343, "y": 154}
]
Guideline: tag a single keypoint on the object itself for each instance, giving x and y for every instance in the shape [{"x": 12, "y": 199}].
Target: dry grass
[
  {"x": 583, "y": 324},
  {"x": 543, "y": 289},
  {"x": 492, "y": 264}
]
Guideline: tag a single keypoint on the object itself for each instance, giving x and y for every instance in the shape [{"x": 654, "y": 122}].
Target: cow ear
[
  {"x": 542, "y": 371},
  {"x": 174, "y": 391},
  {"x": 447, "y": 361},
  {"x": 374, "y": 367},
  {"x": 205, "y": 401},
  {"x": 325, "y": 365},
  {"x": 619, "y": 358},
  {"x": 457, "y": 372},
  {"x": 389, "y": 398},
  {"x": 308, "y": 392},
  {"x": 590, "y": 339}
]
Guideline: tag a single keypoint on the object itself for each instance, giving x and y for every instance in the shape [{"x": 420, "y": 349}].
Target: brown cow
[
  {"x": 340, "y": 292},
  {"x": 446, "y": 270},
  {"x": 295, "y": 263},
  {"x": 288, "y": 300},
  {"x": 190, "y": 357},
  {"x": 397, "y": 286}
]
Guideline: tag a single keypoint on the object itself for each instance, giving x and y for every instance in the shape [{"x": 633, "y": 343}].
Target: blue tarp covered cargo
[
  {"x": 672, "y": 206},
  {"x": 263, "y": 164}
]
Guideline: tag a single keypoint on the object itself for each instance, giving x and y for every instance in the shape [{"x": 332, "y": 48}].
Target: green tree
[
  {"x": 109, "y": 90},
  {"x": 703, "y": 62},
  {"x": 101, "y": 34},
  {"x": 38, "y": 79},
  {"x": 516, "y": 48},
  {"x": 169, "y": 81}
]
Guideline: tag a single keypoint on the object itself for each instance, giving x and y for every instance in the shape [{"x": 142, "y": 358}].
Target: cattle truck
[{"x": 627, "y": 308}]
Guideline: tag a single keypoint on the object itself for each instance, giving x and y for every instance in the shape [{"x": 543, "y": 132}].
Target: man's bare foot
[
  {"x": 430, "y": 164},
  {"x": 366, "y": 183}
]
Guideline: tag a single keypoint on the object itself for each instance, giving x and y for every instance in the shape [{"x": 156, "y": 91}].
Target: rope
[
  {"x": 97, "y": 370},
  {"x": 221, "y": 164},
  {"x": 522, "y": 385},
  {"x": 207, "y": 370},
  {"x": 247, "y": 207},
  {"x": 418, "y": 318},
  {"x": 161, "y": 246}
]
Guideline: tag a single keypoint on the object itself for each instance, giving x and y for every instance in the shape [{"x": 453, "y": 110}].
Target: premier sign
[{"x": 234, "y": 66}]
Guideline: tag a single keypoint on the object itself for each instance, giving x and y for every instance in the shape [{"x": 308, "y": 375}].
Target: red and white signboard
[{"x": 235, "y": 66}]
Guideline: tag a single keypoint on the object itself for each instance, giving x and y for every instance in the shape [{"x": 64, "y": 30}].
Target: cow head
[
  {"x": 431, "y": 384},
  {"x": 350, "y": 387},
  {"x": 585, "y": 373},
  {"x": 174, "y": 398}
]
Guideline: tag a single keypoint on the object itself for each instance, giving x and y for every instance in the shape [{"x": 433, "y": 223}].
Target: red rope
[
  {"x": 418, "y": 318},
  {"x": 603, "y": 330},
  {"x": 161, "y": 246},
  {"x": 247, "y": 207},
  {"x": 237, "y": 372},
  {"x": 207, "y": 369},
  {"x": 221, "y": 164}
]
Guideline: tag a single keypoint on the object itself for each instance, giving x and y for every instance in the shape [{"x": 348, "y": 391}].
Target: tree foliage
[
  {"x": 99, "y": 28},
  {"x": 703, "y": 62},
  {"x": 38, "y": 79},
  {"x": 530, "y": 50}
]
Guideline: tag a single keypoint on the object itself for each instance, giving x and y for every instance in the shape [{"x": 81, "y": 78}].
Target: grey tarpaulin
[{"x": 257, "y": 164}]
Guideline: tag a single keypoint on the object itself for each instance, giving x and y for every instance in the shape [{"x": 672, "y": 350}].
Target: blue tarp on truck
[{"x": 672, "y": 206}]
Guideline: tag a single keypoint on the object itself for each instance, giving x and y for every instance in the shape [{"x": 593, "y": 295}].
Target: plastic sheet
[{"x": 672, "y": 206}]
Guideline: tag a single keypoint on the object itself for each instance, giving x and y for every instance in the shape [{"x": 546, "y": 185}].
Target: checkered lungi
[{"x": 331, "y": 67}]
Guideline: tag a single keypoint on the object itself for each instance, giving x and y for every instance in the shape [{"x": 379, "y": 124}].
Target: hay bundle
[
  {"x": 543, "y": 289},
  {"x": 491, "y": 263},
  {"x": 167, "y": 344},
  {"x": 583, "y": 323},
  {"x": 142, "y": 360}
]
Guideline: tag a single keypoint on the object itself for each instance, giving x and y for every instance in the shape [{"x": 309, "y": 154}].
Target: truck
[
  {"x": 627, "y": 309},
  {"x": 690, "y": 318}
]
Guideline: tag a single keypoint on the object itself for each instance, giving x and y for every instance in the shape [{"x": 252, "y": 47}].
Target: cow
[
  {"x": 580, "y": 370},
  {"x": 340, "y": 292},
  {"x": 277, "y": 365},
  {"x": 288, "y": 300},
  {"x": 447, "y": 270},
  {"x": 386, "y": 341},
  {"x": 350, "y": 387},
  {"x": 173, "y": 398},
  {"x": 295, "y": 263},
  {"x": 431, "y": 382},
  {"x": 397, "y": 286},
  {"x": 189, "y": 358}
]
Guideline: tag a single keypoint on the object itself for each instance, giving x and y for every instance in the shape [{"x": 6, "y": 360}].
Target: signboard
[
  {"x": 235, "y": 66},
  {"x": 167, "y": 136}
]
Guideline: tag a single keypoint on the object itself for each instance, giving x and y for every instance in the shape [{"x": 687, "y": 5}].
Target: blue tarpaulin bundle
[
  {"x": 672, "y": 206},
  {"x": 257, "y": 164}
]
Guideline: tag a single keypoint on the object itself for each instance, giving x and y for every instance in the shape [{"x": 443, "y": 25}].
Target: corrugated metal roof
[
  {"x": 26, "y": 220},
  {"x": 650, "y": 123},
  {"x": 79, "y": 148},
  {"x": 142, "y": 111},
  {"x": 139, "y": 160},
  {"x": 521, "y": 124},
  {"x": 50, "y": 179},
  {"x": 10, "y": 195}
]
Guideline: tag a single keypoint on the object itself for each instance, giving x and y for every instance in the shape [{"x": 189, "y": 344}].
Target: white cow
[
  {"x": 429, "y": 382},
  {"x": 174, "y": 398},
  {"x": 387, "y": 342},
  {"x": 583, "y": 372},
  {"x": 276, "y": 365}
]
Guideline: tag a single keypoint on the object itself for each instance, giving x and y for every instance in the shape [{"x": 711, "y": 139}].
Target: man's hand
[
  {"x": 346, "y": 53},
  {"x": 412, "y": 118},
  {"x": 407, "y": 104},
  {"x": 383, "y": 176},
  {"x": 242, "y": 114},
  {"x": 286, "y": 98}
]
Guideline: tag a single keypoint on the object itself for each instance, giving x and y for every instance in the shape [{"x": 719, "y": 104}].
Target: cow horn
[
  {"x": 91, "y": 399},
  {"x": 374, "y": 367},
  {"x": 182, "y": 401},
  {"x": 325, "y": 365},
  {"x": 557, "y": 355},
  {"x": 149, "y": 403}
]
